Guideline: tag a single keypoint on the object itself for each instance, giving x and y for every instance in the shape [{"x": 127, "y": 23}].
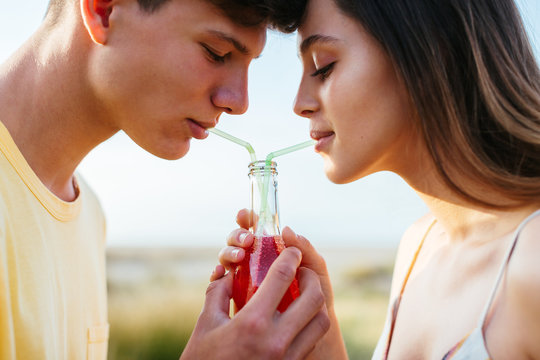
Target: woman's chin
[
  {"x": 340, "y": 174},
  {"x": 334, "y": 174}
]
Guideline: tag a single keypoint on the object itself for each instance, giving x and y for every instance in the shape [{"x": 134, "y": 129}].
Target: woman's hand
[
  {"x": 239, "y": 240},
  {"x": 259, "y": 331}
]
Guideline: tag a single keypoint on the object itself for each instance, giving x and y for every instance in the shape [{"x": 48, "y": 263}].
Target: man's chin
[{"x": 178, "y": 151}]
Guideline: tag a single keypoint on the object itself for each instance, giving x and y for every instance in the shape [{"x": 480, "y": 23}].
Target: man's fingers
[
  {"x": 306, "y": 341},
  {"x": 218, "y": 296},
  {"x": 218, "y": 273},
  {"x": 292, "y": 239},
  {"x": 216, "y": 305},
  {"x": 277, "y": 281},
  {"x": 310, "y": 257},
  {"x": 310, "y": 302}
]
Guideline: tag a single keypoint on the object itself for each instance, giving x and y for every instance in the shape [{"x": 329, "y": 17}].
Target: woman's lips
[
  {"x": 323, "y": 139},
  {"x": 198, "y": 131}
]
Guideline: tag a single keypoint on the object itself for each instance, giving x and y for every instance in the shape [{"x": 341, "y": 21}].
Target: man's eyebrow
[
  {"x": 237, "y": 44},
  {"x": 310, "y": 40}
]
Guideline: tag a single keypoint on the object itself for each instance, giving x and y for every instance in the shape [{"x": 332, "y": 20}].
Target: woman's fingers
[
  {"x": 230, "y": 256},
  {"x": 240, "y": 238},
  {"x": 243, "y": 218}
]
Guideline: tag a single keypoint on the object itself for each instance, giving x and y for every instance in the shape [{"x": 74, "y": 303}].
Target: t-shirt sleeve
[{"x": 6, "y": 323}]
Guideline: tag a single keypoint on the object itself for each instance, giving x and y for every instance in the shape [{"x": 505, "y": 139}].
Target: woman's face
[{"x": 358, "y": 107}]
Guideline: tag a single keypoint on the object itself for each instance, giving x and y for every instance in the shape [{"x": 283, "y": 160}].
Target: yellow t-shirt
[{"x": 53, "y": 299}]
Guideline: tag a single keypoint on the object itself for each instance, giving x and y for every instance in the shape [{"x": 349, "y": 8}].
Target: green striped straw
[
  {"x": 236, "y": 140},
  {"x": 243, "y": 143},
  {"x": 268, "y": 162}
]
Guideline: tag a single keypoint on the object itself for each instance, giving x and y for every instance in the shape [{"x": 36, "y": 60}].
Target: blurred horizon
[{"x": 193, "y": 201}]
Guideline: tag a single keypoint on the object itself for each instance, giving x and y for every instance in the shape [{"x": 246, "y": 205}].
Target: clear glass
[{"x": 268, "y": 243}]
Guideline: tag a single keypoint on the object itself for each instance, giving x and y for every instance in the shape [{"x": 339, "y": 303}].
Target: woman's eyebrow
[{"x": 308, "y": 42}]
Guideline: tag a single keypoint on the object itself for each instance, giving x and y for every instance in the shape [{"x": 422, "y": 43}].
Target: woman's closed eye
[{"x": 324, "y": 72}]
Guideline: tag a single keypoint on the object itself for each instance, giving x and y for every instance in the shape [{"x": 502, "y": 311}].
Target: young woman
[{"x": 446, "y": 94}]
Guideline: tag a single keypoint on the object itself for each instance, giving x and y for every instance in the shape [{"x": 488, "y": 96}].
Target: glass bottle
[{"x": 268, "y": 243}]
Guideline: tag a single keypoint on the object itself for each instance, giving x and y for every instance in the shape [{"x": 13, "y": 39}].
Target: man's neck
[{"x": 49, "y": 108}]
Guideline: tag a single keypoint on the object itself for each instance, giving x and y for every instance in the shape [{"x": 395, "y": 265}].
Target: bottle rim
[{"x": 260, "y": 166}]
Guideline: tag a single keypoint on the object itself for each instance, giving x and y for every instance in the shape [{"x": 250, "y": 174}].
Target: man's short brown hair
[{"x": 280, "y": 15}]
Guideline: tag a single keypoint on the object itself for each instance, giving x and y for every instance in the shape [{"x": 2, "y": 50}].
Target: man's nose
[{"x": 232, "y": 96}]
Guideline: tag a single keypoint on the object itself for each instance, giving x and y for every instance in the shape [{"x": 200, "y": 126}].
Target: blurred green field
[{"x": 155, "y": 296}]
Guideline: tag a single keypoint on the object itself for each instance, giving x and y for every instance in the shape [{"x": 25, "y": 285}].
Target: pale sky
[{"x": 193, "y": 201}]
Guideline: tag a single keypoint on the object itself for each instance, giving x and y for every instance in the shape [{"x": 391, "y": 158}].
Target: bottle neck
[{"x": 264, "y": 198}]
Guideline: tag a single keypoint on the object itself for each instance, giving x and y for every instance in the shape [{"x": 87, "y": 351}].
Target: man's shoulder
[{"x": 3, "y": 219}]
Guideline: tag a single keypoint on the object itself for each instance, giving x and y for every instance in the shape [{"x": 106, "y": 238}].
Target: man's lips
[{"x": 198, "y": 129}]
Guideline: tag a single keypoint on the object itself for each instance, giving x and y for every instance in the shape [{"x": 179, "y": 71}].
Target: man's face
[{"x": 164, "y": 77}]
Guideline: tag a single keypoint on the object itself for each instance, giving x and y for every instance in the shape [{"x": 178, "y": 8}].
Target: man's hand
[
  {"x": 239, "y": 240},
  {"x": 259, "y": 331}
]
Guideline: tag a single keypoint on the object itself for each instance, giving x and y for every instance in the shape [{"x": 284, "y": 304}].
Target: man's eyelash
[{"x": 215, "y": 57}]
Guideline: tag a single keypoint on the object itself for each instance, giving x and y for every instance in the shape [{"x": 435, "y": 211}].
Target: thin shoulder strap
[
  {"x": 503, "y": 267},
  {"x": 413, "y": 262},
  {"x": 397, "y": 301}
]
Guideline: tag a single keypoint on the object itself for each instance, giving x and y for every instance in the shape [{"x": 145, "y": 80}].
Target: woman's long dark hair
[{"x": 472, "y": 76}]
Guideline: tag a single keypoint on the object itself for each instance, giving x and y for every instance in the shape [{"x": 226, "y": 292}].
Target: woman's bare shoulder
[
  {"x": 407, "y": 247},
  {"x": 524, "y": 285}
]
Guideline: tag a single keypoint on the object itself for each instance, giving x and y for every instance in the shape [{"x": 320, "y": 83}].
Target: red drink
[{"x": 250, "y": 273}]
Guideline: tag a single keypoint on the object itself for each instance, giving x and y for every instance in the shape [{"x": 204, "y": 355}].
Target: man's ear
[{"x": 95, "y": 14}]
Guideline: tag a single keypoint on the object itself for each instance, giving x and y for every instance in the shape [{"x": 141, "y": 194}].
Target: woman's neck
[{"x": 463, "y": 219}]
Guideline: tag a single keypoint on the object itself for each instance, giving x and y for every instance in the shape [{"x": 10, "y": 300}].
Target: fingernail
[
  {"x": 242, "y": 237},
  {"x": 235, "y": 253},
  {"x": 298, "y": 252}
]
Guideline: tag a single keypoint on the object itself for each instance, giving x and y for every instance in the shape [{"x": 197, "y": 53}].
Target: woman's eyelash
[
  {"x": 215, "y": 57},
  {"x": 324, "y": 72}
]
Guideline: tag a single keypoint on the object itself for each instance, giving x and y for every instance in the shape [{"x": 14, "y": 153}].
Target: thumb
[
  {"x": 290, "y": 238},
  {"x": 310, "y": 257}
]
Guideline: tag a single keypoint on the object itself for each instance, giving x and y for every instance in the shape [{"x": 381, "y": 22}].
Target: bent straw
[
  {"x": 236, "y": 140},
  {"x": 268, "y": 161},
  {"x": 266, "y": 177},
  {"x": 243, "y": 143},
  {"x": 289, "y": 149}
]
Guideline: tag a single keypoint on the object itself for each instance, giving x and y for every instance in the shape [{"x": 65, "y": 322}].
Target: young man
[{"x": 162, "y": 71}]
